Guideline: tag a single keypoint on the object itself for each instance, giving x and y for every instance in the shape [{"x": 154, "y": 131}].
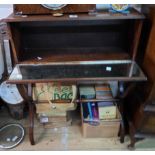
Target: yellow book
[{"x": 108, "y": 112}]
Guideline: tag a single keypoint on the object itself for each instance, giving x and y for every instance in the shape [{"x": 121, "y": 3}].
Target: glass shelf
[{"x": 115, "y": 70}]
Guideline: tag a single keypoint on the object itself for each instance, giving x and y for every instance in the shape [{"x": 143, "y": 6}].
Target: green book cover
[{"x": 87, "y": 92}]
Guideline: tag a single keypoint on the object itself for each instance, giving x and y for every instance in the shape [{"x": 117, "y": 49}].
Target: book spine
[
  {"x": 90, "y": 112},
  {"x": 94, "y": 111}
]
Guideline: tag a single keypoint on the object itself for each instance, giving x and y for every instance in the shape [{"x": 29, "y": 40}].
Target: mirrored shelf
[{"x": 120, "y": 70}]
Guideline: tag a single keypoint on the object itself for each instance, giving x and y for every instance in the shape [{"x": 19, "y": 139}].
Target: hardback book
[
  {"x": 103, "y": 91},
  {"x": 105, "y": 104},
  {"x": 107, "y": 112},
  {"x": 87, "y": 92}
]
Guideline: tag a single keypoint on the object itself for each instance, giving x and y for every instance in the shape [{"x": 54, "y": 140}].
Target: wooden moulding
[{"x": 106, "y": 129}]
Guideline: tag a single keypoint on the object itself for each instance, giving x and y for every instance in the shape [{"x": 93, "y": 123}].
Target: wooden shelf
[
  {"x": 83, "y": 100},
  {"x": 82, "y": 16},
  {"x": 56, "y": 55},
  {"x": 77, "y": 72},
  {"x": 96, "y": 100}
]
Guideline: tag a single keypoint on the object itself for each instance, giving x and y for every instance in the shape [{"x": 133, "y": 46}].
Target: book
[
  {"x": 90, "y": 111},
  {"x": 94, "y": 110},
  {"x": 104, "y": 104},
  {"x": 107, "y": 112},
  {"x": 103, "y": 91},
  {"x": 87, "y": 92}
]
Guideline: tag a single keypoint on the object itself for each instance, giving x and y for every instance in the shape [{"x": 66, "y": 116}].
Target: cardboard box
[
  {"x": 106, "y": 128},
  {"x": 58, "y": 109},
  {"x": 52, "y": 119}
]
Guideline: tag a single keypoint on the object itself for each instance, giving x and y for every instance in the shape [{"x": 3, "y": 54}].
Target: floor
[{"x": 63, "y": 138}]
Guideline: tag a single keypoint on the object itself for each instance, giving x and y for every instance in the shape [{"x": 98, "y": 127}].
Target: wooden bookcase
[{"x": 103, "y": 38}]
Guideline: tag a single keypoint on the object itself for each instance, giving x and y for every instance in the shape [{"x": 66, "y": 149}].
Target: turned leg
[{"x": 31, "y": 115}]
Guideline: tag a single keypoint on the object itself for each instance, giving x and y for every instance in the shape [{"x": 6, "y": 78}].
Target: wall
[{"x": 5, "y": 10}]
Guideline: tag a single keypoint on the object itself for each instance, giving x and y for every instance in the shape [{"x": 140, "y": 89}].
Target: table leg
[
  {"x": 122, "y": 132},
  {"x": 123, "y": 94},
  {"x": 132, "y": 136},
  {"x": 121, "y": 108},
  {"x": 31, "y": 115}
]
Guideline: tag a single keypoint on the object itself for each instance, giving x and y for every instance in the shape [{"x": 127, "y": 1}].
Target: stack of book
[
  {"x": 103, "y": 91},
  {"x": 90, "y": 112},
  {"x": 100, "y": 115},
  {"x": 107, "y": 109},
  {"x": 95, "y": 111},
  {"x": 87, "y": 92}
]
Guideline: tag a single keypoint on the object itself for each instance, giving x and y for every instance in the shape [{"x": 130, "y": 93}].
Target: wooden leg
[
  {"x": 123, "y": 94},
  {"x": 31, "y": 115},
  {"x": 122, "y": 127},
  {"x": 121, "y": 108},
  {"x": 122, "y": 132},
  {"x": 132, "y": 136},
  {"x": 31, "y": 123}
]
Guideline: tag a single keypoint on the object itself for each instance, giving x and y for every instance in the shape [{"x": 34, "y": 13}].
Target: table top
[
  {"x": 100, "y": 15},
  {"x": 115, "y": 70}
]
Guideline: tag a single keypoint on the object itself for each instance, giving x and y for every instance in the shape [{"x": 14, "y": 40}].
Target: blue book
[
  {"x": 105, "y": 104},
  {"x": 90, "y": 111}
]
